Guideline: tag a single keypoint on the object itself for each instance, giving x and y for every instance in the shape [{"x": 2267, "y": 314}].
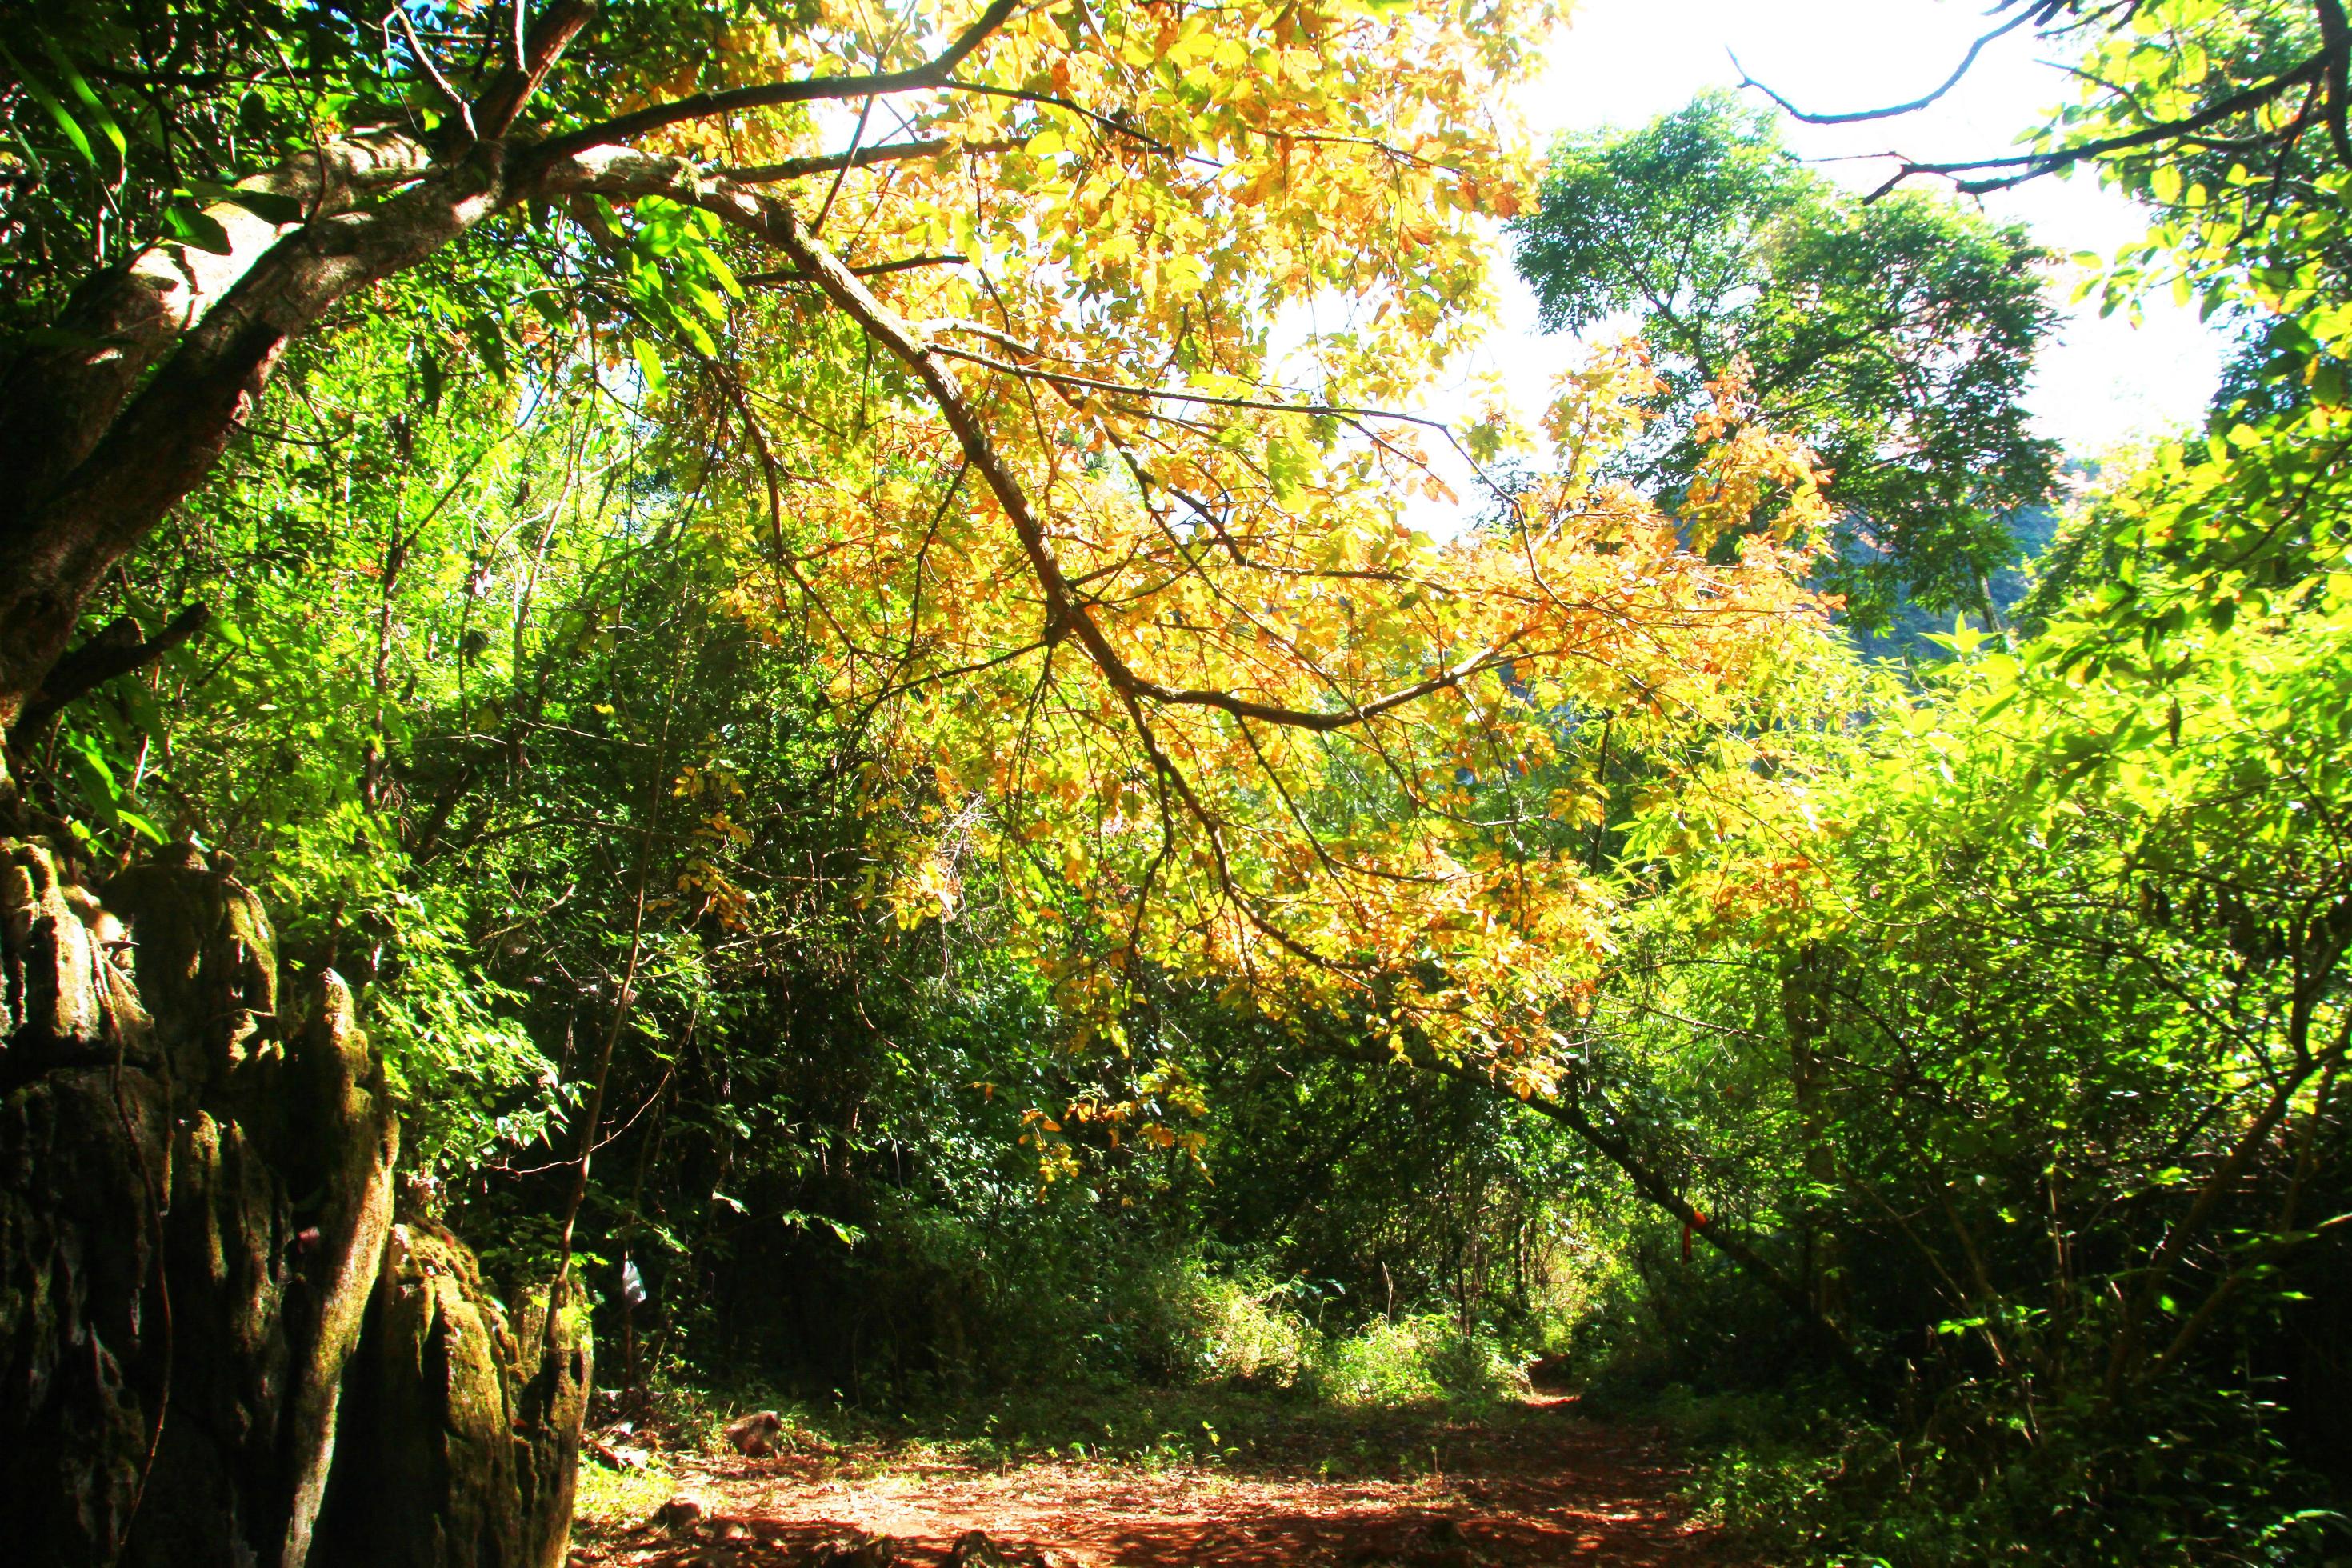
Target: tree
[
  {"x": 2040, "y": 1001},
  {"x": 104, "y": 448},
  {"x": 1093, "y": 514},
  {"x": 972, "y": 389},
  {"x": 1895, "y": 337},
  {"x": 2052, "y": 1036}
]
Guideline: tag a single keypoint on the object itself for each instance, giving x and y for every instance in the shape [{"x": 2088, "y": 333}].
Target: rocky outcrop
[
  {"x": 196, "y": 1233},
  {"x": 465, "y": 1435}
]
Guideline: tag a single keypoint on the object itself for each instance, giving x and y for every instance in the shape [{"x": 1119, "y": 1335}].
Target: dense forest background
[{"x": 1817, "y": 916}]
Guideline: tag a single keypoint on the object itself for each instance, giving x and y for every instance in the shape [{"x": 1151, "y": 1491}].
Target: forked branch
[
  {"x": 116, "y": 649},
  {"x": 1067, "y": 606}
]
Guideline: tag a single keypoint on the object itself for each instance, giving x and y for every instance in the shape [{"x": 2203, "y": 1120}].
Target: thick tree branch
[
  {"x": 161, "y": 445},
  {"x": 114, "y": 651},
  {"x": 933, "y": 72},
  {"x": 57, "y": 397},
  {"x": 2336, "y": 52},
  {"x": 1065, "y": 602},
  {"x": 536, "y": 52},
  {"x": 869, "y": 269}
]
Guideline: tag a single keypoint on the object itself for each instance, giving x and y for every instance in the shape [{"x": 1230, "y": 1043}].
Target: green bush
[
  {"x": 1808, "y": 1473},
  {"x": 1253, "y": 1331}
]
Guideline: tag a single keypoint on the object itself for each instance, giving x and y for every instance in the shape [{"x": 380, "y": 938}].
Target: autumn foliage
[{"x": 1148, "y": 570}]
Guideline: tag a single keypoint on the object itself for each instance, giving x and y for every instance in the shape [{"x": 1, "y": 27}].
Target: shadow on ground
[{"x": 1224, "y": 1478}]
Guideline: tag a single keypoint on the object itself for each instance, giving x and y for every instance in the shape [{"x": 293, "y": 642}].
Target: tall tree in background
[{"x": 1896, "y": 337}]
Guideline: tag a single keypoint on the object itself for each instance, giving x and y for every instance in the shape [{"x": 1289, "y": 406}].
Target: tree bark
[
  {"x": 116, "y": 462},
  {"x": 94, "y": 462},
  {"x": 116, "y": 650},
  {"x": 118, "y": 414},
  {"x": 1804, "y": 1019}
]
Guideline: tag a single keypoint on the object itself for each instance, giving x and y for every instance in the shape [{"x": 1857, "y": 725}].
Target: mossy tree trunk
[{"x": 209, "y": 1323}]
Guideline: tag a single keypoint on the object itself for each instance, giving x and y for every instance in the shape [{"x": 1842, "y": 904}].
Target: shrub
[
  {"x": 1412, "y": 1359},
  {"x": 1251, "y": 1331}
]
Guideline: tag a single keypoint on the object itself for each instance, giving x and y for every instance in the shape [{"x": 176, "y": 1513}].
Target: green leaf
[
  {"x": 74, "y": 134},
  {"x": 96, "y": 106},
  {"x": 698, "y": 335},
  {"x": 91, "y": 758},
  {"x": 142, "y": 825},
  {"x": 552, "y": 308},
  {"x": 489, "y": 340},
  {"x": 192, "y": 225},
  {"x": 649, "y": 365},
  {"x": 721, "y": 274}
]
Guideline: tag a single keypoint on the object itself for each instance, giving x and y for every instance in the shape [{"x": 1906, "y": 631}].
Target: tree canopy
[
  {"x": 1895, "y": 337},
  {"x": 1112, "y": 567}
]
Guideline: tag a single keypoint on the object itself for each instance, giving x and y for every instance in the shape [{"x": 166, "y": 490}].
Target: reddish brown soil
[{"x": 1527, "y": 1487}]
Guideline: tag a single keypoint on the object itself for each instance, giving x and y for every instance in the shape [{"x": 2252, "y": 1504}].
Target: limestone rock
[
  {"x": 465, "y": 1425},
  {"x": 200, "y": 1340},
  {"x": 177, "y": 1376}
]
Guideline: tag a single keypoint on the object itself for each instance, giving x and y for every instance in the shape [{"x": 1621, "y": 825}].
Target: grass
[{"x": 612, "y": 1496}]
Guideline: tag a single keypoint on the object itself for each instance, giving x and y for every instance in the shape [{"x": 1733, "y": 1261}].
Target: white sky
[{"x": 1623, "y": 62}]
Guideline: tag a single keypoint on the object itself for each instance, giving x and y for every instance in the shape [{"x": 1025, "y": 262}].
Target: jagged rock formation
[
  {"x": 209, "y": 1323},
  {"x": 465, "y": 1434}
]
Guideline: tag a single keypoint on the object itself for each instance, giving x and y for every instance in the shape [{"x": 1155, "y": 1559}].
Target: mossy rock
[
  {"x": 195, "y": 1232},
  {"x": 462, "y": 1425}
]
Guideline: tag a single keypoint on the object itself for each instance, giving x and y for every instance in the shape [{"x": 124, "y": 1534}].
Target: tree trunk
[
  {"x": 154, "y": 366},
  {"x": 63, "y": 400},
  {"x": 195, "y": 1212},
  {"x": 1804, "y": 1018}
]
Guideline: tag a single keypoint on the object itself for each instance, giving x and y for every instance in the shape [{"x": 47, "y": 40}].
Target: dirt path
[{"x": 1527, "y": 1486}]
